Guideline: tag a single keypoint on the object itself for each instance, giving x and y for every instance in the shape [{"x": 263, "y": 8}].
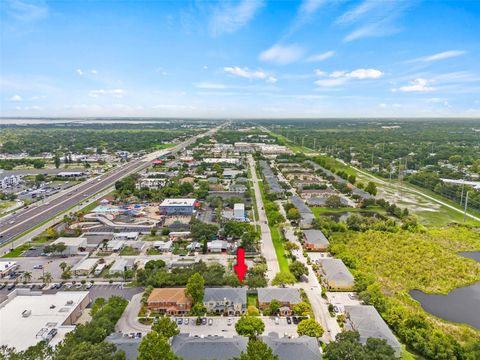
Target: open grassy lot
[
  {"x": 403, "y": 261},
  {"x": 317, "y": 211},
  {"x": 279, "y": 250}
]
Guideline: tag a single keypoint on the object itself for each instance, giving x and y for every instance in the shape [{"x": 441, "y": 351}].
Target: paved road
[
  {"x": 268, "y": 250},
  {"x": 29, "y": 218}
]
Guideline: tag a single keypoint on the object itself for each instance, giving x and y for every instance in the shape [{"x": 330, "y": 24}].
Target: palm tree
[
  {"x": 63, "y": 265},
  {"x": 27, "y": 276},
  {"x": 47, "y": 278}
]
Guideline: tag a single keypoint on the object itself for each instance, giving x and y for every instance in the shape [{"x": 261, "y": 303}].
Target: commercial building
[
  {"x": 85, "y": 266},
  {"x": 120, "y": 265},
  {"x": 315, "y": 240},
  {"x": 132, "y": 235},
  {"x": 74, "y": 245},
  {"x": 239, "y": 212},
  {"x": 29, "y": 317},
  {"x": 229, "y": 301},
  {"x": 70, "y": 174},
  {"x": 335, "y": 275},
  {"x": 178, "y": 206},
  {"x": 169, "y": 301},
  {"x": 367, "y": 321}
]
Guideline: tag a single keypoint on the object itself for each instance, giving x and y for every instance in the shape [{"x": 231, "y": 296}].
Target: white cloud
[
  {"x": 282, "y": 54},
  {"x": 79, "y": 72},
  {"x": 173, "y": 107},
  {"x": 305, "y": 13},
  {"x": 209, "y": 85},
  {"x": 118, "y": 93},
  {"x": 337, "y": 78},
  {"x": 16, "y": 98},
  {"x": 417, "y": 85},
  {"x": 440, "y": 56},
  {"x": 379, "y": 29},
  {"x": 205, "y": 67},
  {"x": 228, "y": 18},
  {"x": 94, "y": 72},
  {"x": 355, "y": 13},
  {"x": 320, "y": 57},
  {"x": 27, "y": 11},
  {"x": 250, "y": 74}
]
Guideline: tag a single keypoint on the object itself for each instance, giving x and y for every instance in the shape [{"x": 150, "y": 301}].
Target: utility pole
[
  {"x": 465, "y": 211},
  {"x": 463, "y": 188}
]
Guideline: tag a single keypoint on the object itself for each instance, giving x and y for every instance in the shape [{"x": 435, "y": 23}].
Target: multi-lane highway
[{"x": 26, "y": 219}]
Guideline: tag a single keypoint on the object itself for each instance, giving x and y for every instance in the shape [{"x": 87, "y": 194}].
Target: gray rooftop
[
  {"x": 270, "y": 177},
  {"x": 316, "y": 237},
  {"x": 303, "y": 347},
  {"x": 335, "y": 270},
  {"x": 129, "y": 346},
  {"x": 235, "y": 295},
  {"x": 290, "y": 295},
  {"x": 368, "y": 322},
  {"x": 208, "y": 347}
]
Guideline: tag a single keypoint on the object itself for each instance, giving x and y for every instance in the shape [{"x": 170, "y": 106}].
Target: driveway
[{"x": 128, "y": 323}]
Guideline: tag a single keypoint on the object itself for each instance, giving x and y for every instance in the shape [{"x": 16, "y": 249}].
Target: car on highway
[
  {"x": 89, "y": 286},
  {"x": 11, "y": 287},
  {"x": 277, "y": 320},
  {"x": 11, "y": 222}
]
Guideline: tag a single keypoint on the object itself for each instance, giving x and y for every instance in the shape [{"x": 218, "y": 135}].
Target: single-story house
[
  {"x": 74, "y": 245},
  {"x": 217, "y": 246},
  {"x": 115, "y": 245},
  {"x": 120, "y": 265},
  {"x": 126, "y": 236},
  {"x": 85, "y": 266},
  {"x": 163, "y": 246}
]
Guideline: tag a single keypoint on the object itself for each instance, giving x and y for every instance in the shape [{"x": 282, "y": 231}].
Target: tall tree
[
  {"x": 155, "y": 346},
  {"x": 250, "y": 326},
  {"x": 257, "y": 350},
  {"x": 195, "y": 288}
]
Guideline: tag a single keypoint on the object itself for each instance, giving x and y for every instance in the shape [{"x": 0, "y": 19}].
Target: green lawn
[
  {"x": 279, "y": 250},
  {"x": 252, "y": 299},
  {"x": 317, "y": 211}
]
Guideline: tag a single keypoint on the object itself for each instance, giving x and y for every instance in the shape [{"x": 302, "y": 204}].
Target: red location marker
[{"x": 240, "y": 268}]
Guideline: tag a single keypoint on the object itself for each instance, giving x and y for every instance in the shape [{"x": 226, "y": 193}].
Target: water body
[
  {"x": 475, "y": 255},
  {"x": 461, "y": 305}
]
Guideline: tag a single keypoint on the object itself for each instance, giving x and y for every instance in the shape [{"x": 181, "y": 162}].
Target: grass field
[
  {"x": 317, "y": 211},
  {"x": 427, "y": 261},
  {"x": 279, "y": 250}
]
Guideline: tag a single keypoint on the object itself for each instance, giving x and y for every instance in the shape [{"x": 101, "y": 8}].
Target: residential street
[{"x": 268, "y": 250}]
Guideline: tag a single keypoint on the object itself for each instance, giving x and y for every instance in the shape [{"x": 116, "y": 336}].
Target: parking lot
[
  {"x": 340, "y": 299},
  {"x": 51, "y": 265},
  {"x": 218, "y": 325}
]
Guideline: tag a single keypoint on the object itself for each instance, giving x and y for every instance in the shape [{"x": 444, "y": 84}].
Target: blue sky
[{"x": 309, "y": 58}]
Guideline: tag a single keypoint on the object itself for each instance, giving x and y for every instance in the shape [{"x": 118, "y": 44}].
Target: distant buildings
[{"x": 305, "y": 213}]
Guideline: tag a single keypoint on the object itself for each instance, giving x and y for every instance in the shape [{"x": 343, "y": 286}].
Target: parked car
[
  {"x": 295, "y": 320},
  {"x": 187, "y": 321},
  {"x": 2, "y": 286},
  {"x": 351, "y": 296},
  {"x": 289, "y": 320},
  {"x": 204, "y": 321},
  {"x": 42, "y": 286},
  {"x": 38, "y": 266},
  {"x": 179, "y": 321},
  {"x": 89, "y": 286},
  {"x": 277, "y": 320},
  {"x": 138, "y": 335},
  {"x": 230, "y": 321},
  {"x": 210, "y": 322},
  {"x": 335, "y": 309},
  {"x": 11, "y": 287}
]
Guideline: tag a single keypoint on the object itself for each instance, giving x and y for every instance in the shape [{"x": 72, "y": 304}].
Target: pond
[
  {"x": 461, "y": 305},
  {"x": 475, "y": 255},
  {"x": 342, "y": 216}
]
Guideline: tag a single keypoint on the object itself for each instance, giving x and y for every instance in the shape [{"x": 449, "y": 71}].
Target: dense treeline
[
  {"x": 35, "y": 141},
  {"x": 394, "y": 263}
]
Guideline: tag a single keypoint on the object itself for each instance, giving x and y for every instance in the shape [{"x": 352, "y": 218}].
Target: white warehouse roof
[{"x": 178, "y": 202}]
